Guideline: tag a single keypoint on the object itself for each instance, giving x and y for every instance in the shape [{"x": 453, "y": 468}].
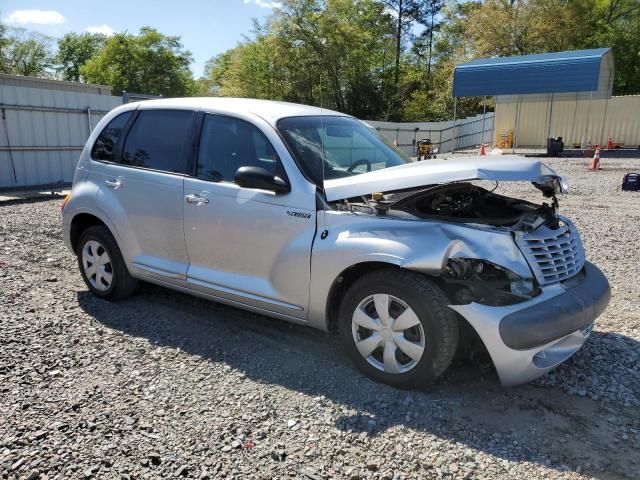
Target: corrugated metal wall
[
  {"x": 43, "y": 131},
  {"x": 572, "y": 118},
  {"x": 469, "y": 133}
]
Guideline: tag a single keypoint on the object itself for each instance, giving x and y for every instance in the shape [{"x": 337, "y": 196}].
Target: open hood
[{"x": 506, "y": 168}]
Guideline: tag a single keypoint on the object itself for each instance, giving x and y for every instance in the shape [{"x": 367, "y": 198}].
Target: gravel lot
[{"x": 164, "y": 385}]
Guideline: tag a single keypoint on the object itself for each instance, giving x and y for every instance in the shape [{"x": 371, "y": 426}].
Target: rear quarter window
[
  {"x": 103, "y": 148},
  {"x": 158, "y": 140}
]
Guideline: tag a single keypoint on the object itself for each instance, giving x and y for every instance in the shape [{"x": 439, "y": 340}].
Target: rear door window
[
  {"x": 159, "y": 140},
  {"x": 103, "y": 148}
]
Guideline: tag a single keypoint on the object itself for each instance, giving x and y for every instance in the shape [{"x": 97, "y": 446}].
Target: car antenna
[{"x": 325, "y": 232}]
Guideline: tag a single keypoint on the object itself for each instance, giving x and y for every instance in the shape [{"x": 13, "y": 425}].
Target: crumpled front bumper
[{"x": 528, "y": 339}]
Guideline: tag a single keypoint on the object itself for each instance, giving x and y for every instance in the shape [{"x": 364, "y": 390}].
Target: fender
[
  {"x": 417, "y": 245},
  {"x": 82, "y": 201}
]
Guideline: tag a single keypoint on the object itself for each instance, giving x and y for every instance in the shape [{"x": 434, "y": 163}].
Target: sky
[{"x": 207, "y": 27}]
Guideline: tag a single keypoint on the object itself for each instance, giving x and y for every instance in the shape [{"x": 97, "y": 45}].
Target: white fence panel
[
  {"x": 42, "y": 133},
  {"x": 467, "y": 132}
]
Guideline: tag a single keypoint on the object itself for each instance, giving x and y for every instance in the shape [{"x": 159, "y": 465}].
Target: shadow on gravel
[{"x": 532, "y": 423}]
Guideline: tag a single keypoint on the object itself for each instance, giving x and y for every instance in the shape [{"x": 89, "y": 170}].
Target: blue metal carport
[
  {"x": 589, "y": 71},
  {"x": 559, "y": 72}
]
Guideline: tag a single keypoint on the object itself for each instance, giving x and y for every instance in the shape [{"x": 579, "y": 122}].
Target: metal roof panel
[{"x": 557, "y": 72}]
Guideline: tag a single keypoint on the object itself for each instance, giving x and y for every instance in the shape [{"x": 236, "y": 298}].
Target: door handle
[
  {"x": 114, "y": 183},
  {"x": 196, "y": 199}
]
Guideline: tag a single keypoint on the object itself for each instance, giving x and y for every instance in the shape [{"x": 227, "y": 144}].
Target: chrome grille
[{"x": 554, "y": 255}]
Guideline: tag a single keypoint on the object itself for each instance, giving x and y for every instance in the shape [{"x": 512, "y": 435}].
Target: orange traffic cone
[
  {"x": 482, "y": 150},
  {"x": 595, "y": 163},
  {"x": 610, "y": 145}
]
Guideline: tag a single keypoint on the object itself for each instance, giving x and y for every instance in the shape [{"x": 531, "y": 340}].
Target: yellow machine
[{"x": 425, "y": 150}]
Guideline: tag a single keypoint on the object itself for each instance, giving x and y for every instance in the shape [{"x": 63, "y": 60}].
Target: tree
[
  {"x": 502, "y": 28},
  {"x": 517, "y": 27},
  {"x": 352, "y": 55},
  {"x": 27, "y": 53},
  {"x": 334, "y": 53},
  {"x": 431, "y": 97},
  {"x": 150, "y": 63},
  {"x": 453, "y": 40},
  {"x": 5, "y": 42},
  {"x": 74, "y": 50},
  {"x": 404, "y": 12},
  {"x": 616, "y": 24},
  {"x": 428, "y": 17}
]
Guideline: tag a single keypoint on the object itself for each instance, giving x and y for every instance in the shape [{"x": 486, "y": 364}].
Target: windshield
[{"x": 350, "y": 146}]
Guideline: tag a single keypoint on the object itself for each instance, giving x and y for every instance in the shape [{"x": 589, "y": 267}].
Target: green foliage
[
  {"x": 74, "y": 50},
  {"x": 343, "y": 54},
  {"x": 25, "y": 53},
  {"x": 616, "y": 24},
  {"x": 377, "y": 59},
  {"x": 335, "y": 53},
  {"x": 515, "y": 27},
  {"x": 404, "y": 13},
  {"x": 149, "y": 62},
  {"x": 5, "y": 42}
]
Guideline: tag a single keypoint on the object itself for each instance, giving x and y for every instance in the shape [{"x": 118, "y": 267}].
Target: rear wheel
[
  {"x": 397, "y": 328},
  {"x": 102, "y": 266}
]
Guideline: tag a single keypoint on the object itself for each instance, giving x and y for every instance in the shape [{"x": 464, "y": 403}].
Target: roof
[
  {"x": 557, "y": 72},
  {"x": 270, "y": 110},
  {"x": 52, "y": 84}
]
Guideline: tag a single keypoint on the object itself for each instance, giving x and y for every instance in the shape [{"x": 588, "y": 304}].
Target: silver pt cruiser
[{"x": 310, "y": 216}]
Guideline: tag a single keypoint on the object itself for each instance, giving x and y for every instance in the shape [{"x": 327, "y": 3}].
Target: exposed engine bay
[
  {"x": 463, "y": 279},
  {"x": 460, "y": 202}
]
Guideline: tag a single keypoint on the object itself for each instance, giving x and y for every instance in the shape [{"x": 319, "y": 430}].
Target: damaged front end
[
  {"x": 476, "y": 266},
  {"x": 514, "y": 269},
  {"x": 467, "y": 280}
]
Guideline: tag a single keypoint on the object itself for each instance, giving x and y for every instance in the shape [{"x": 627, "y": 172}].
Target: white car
[{"x": 308, "y": 215}]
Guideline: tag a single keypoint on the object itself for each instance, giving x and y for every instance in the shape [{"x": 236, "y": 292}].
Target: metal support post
[
  {"x": 586, "y": 127},
  {"x": 484, "y": 115},
  {"x": 517, "y": 127},
  {"x": 454, "y": 132},
  {"x": 549, "y": 120},
  {"x": 604, "y": 119}
]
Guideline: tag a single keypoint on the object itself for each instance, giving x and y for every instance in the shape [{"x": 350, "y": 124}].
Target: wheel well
[
  {"x": 343, "y": 282},
  {"x": 79, "y": 224},
  {"x": 470, "y": 342}
]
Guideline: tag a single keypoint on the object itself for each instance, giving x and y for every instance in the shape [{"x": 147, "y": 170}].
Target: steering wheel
[{"x": 362, "y": 161}]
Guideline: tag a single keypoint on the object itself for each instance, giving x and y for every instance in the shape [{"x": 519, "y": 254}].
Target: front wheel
[{"x": 397, "y": 328}]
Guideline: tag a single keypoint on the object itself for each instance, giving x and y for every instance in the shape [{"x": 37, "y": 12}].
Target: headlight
[
  {"x": 522, "y": 286},
  {"x": 481, "y": 281}
]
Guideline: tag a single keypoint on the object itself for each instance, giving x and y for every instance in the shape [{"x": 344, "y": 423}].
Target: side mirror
[{"x": 258, "y": 177}]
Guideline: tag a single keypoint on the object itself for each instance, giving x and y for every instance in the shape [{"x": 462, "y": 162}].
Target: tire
[
  {"x": 412, "y": 301},
  {"x": 111, "y": 280}
]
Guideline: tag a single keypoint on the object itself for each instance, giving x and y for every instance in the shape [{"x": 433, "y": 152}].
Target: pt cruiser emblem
[{"x": 298, "y": 214}]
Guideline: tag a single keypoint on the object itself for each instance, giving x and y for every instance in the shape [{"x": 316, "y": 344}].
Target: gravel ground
[{"x": 164, "y": 385}]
